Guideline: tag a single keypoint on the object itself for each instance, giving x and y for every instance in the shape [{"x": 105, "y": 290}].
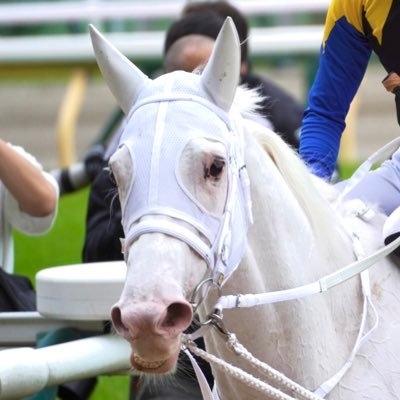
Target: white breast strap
[
  {"x": 172, "y": 229},
  {"x": 205, "y": 389},
  {"x": 330, "y": 384}
]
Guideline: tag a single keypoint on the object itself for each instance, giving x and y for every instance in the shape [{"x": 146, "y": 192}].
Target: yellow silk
[{"x": 376, "y": 12}]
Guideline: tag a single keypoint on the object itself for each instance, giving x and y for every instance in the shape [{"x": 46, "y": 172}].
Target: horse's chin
[{"x": 163, "y": 366}]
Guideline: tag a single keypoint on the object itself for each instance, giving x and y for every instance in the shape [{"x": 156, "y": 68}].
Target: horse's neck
[
  {"x": 309, "y": 340},
  {"x": 282, "y": 236},
  {"x": 282, "y": 254}
]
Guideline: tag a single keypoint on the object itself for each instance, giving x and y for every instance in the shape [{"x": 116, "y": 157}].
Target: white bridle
[
  {"x": 158, "y": 192},
  {"x": 163, "y": 99}
]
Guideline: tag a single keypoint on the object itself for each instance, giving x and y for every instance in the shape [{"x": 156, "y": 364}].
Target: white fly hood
[{"x": 164, "y": 116}]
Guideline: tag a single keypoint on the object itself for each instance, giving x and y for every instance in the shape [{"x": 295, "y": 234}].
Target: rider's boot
[{"x": 391, "y": 229}]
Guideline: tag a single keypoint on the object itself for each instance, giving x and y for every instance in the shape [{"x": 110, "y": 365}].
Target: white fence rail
[
  {"x": 148, "y": 45},
  {"x": 142, "y": 45},
  {"x": 23, "y": 328},
  {"x": 61, "y": 11}
]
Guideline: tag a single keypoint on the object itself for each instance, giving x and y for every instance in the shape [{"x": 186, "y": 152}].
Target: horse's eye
[{"x": 216, "y": 168}]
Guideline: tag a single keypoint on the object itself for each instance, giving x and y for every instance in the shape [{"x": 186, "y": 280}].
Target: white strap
[
  {"x": 329, "y": 281},
  {"x": 251, "y": 300},
  {"x": 169, "y": 97},
  {"x": 328, "y": 385},
  {"x": 222, "y": 268},
  {"x": 358, "y": 266},
  {"x": 215, "y": 392},
  {"x": 172, "y": 229},
  {"x": 205, "y": 389},
  {"x": 245, "y": 182}
]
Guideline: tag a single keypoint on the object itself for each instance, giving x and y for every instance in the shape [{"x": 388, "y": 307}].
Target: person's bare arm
[{"x": 26, "y": 182}]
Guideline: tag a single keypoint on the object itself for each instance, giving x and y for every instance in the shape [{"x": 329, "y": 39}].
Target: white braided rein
[
  {"x": 263, "y": 367},
  {"x": 239, "y": 374},
  {"x": 250, "y": 380}
]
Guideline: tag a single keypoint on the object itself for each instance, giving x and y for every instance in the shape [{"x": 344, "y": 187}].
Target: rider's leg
[{"x": 381, "y": 188}]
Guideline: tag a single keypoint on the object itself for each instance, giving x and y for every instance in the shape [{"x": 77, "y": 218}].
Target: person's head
[
  {"x": 200, "y": 29},
  {"x": 190, "y": 40},
  {"x": 188, "y": 53},
  {"x": 224, "y": 9}
]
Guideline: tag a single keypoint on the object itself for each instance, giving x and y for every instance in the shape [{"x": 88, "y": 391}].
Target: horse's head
[{"x": 176, "y": 169}]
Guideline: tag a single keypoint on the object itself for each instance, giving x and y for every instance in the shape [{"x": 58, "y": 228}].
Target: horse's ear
[
  {"x": 221, "y": 74},
  {"x": 124, "y": 79}
]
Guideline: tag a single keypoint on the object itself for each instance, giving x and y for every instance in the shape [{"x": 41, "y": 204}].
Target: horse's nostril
[
  {"x": 178, "y": 316},
  {"x": 116, "y": 318}
]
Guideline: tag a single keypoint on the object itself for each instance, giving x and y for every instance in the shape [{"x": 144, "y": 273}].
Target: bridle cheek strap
[{"x": 168, "y": 227}]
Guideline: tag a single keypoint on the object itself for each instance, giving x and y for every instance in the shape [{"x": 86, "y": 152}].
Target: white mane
[
  {"x": 247, "y": 101},
  {"x": 315, "y": 196}
]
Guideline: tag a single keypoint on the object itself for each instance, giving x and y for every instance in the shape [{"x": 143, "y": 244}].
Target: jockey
[{"x": 353, "y": 30}]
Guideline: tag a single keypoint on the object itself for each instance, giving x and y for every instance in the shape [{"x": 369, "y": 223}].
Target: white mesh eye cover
[{"x": 180, "y": 125}]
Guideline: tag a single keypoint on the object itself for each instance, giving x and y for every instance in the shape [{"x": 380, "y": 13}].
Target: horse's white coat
[{"x": 297, "y": 238}]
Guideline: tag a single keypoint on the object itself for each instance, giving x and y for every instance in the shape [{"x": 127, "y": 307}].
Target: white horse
[{"x": 181, "y": 175}]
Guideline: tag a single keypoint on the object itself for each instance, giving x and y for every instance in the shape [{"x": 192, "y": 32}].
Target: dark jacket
[
  {"x": 279, "y": 107},
  {"x": 103, "y": 222}
]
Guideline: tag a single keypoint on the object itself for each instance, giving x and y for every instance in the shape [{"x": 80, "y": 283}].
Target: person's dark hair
[
  {"x": 224, "y": 9},
  {"x": 206, "y": 23}
]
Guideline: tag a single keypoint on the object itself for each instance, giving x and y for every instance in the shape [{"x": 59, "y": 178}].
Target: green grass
[
  {"x": 347, "y": 169},
  {"x": 62, "y": 246}
]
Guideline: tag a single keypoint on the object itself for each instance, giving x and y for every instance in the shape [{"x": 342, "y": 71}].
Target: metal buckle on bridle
[
  {"x": 216, "y": 321},
  {"x": 197, "y": 292}
]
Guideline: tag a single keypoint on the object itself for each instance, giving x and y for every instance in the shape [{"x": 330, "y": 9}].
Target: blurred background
[{"x": 55, "y": 104}]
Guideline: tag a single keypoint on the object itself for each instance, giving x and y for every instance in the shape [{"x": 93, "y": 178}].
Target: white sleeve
[{"x": 22, "y": 221}]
